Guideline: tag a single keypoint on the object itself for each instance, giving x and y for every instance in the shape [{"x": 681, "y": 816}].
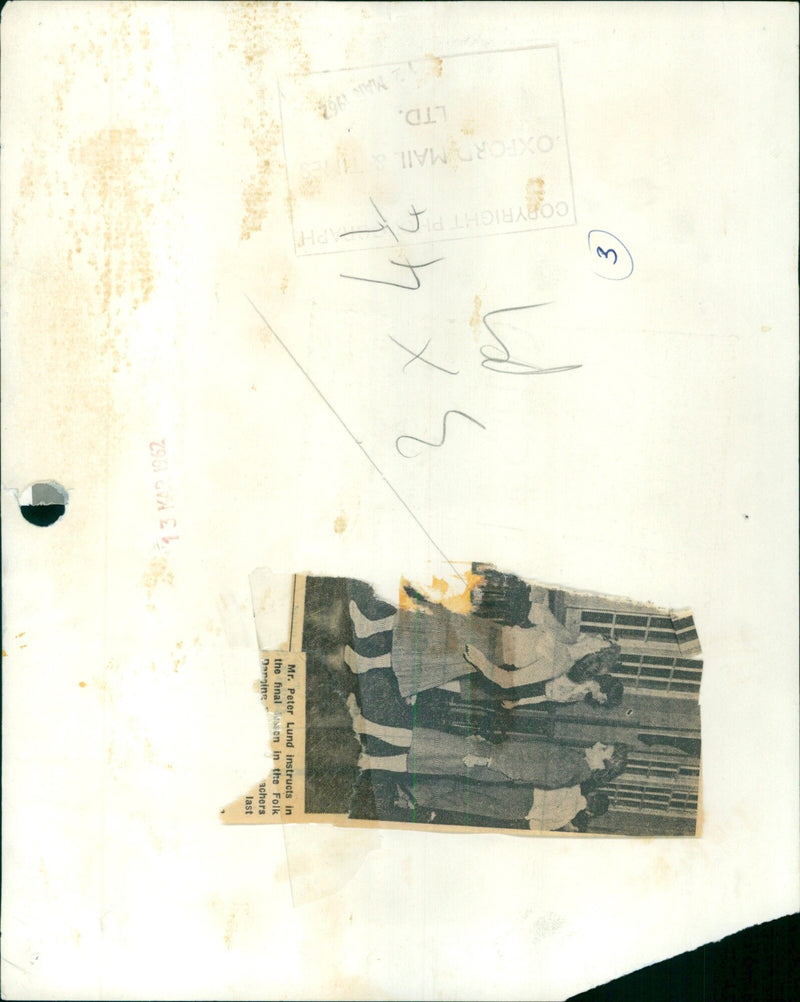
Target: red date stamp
[{"x": 164, "y": 496}]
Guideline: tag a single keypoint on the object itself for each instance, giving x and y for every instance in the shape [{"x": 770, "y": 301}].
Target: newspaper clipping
[{"x": 501, "y": 705}]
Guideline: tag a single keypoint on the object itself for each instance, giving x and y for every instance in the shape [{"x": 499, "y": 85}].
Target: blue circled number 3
[
  {"x": 605, "y": 253},
  {"x": 612, "y": 259}
]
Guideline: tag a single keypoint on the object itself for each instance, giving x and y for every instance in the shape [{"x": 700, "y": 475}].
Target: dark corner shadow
[{"x": 759, "y": 963}]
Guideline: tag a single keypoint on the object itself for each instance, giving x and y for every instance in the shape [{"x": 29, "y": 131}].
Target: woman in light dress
[{"x": 429, "y": 646}]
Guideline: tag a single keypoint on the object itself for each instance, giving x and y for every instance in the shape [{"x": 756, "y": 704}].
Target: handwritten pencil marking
[
  {"x": 418, "y": 356},
  {"x": 497, "y": 357},
  {"x": 360, "y": 445},
  {"x": 400, "y": 264},
  {"x": 434, "y": 445}
]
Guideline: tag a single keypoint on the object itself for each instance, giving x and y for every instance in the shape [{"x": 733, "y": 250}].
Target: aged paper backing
[{"x": 222, "y": 381}]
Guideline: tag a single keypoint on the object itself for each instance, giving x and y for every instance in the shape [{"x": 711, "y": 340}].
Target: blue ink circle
[{"x": 610, "y": 257}]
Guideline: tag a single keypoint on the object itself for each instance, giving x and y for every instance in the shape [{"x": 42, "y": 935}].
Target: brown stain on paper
[
  {"x": 29, "y": 181},
  {"x": 340, "y": 523},
  {"x": 114, "y": 162},
  {"x": 98, "y": 201},
  {"x": 436, "y": 63},
  {"x": 178, "y": 657},
  {"x": 662, "y": 872},
  {"x": 309, "y": 187},
  {"x": 157, "y": 573},
  {"x": 256, "y": 32},
  {"x": 230, "y": 916},
  {"x": 117, "y": 180},
  {"x": 534, "y": 193},
  {"x": 476, "y": 319},
  {"x": 452, "y": 157},
  {"x": 94, "y": 194}
]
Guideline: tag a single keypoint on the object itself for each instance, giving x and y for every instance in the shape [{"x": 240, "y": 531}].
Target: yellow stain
[{"x": 443, "y": 592}]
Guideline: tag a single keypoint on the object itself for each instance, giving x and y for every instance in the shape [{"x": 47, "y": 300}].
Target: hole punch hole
[{"x": 43, "y": 503}]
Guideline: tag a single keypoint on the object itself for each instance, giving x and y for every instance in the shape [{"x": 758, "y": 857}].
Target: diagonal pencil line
[{"x": 341, "y": 421}]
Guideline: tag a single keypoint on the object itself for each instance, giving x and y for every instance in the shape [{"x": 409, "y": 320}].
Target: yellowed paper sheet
[{"x": 366, "y": 292}]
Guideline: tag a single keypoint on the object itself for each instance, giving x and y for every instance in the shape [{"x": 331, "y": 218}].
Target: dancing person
[
  {"x": 602, "y": 690},
  {"x": 501, "y": 805},
  {"x": 429, "y": 646},
  {"x": 543, "y": 764},
  {"x": 537, "y": 655}
]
